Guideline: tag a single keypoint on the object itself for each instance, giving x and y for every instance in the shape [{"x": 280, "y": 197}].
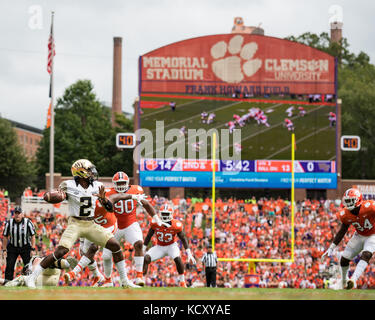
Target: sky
[{"x": 84, "y": 32}]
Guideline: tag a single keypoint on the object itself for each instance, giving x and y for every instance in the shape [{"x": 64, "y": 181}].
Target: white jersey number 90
[{"x": 124, "y": 206}]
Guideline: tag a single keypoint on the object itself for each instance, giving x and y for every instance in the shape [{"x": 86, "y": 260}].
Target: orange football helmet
[
  {"x": 352, "y": 198},
  {"x": 121, "y": 181},
  {"x": 166, "y": 213}
]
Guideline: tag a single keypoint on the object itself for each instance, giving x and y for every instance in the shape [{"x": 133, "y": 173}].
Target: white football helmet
[
  {"x": 121, "y": 181},
  {"x": 166, "y": 213}
]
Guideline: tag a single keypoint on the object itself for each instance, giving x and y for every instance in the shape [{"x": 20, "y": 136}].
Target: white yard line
[{"x": 300, "y": 140}]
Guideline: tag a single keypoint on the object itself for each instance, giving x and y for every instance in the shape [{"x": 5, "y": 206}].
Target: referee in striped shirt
[
  {"x": 19, "y": 240},
  {"x": 209, "y": 260}
]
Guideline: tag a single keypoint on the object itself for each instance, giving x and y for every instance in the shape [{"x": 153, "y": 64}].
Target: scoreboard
[
  {"x": 350, "y": 143},
  {"x": 237, "y": 173}
]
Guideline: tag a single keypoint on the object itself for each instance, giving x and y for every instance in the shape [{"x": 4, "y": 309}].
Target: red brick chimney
[
  {"x": 336, "y": 31},
  {"x": 117, "y": 65}
]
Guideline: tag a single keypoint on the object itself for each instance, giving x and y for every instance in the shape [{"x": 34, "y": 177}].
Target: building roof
[{"x": 25, "y": 127}]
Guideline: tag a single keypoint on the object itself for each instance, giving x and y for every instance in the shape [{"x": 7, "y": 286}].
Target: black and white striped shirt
[
  {"x": 209, "y": 259},
  {"x": 20, "y": 233}
]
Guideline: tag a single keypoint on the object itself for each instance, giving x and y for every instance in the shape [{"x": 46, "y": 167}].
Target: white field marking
[
  {"x": 300, "y": 140},
  {"x": 334, "y": 157},
  {"x": 198, "y": 115},
  {"x": 177, "y": 106},
  {"x": 271, "y": 127}
]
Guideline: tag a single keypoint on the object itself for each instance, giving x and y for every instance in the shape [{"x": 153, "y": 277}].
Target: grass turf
[{"x": 152, "y": 293}]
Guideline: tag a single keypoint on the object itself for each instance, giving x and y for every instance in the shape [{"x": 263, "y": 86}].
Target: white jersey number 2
[{"x": 85, "y": 206}]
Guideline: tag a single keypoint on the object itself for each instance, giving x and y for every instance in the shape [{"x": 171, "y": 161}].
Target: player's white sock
[
  {"x": 344, "y": 273},
  {"x": 138, "y": 261},
  {"x": 120, "y": 266},
  {"x": 181, "y": 277},
  {"x": 361, "y": 266},
  {"x": 82, "y": 264},
  {"x": 94, "y": 268},
  {"x": 107, "y": 266}
]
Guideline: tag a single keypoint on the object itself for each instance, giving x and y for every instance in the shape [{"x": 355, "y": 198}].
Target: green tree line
[
  {"x": 83, "y": 129},
  {"x": 356, "y": 89}
]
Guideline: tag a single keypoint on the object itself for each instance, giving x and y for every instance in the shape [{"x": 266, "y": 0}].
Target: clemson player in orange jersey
[
  {"x": 361, "y": 215},
  {"x": 125, "y": 212},
  {"x": 166, "y": 243}
]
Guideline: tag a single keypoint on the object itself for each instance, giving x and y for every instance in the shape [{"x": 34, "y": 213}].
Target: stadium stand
[{"x": 254, "y": 228}]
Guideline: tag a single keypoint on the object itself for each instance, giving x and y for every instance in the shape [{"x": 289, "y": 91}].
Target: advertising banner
[{"x": 178, "y": 173}]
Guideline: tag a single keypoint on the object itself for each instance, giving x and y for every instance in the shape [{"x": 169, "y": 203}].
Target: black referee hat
[{"x": 18, "y": 209}]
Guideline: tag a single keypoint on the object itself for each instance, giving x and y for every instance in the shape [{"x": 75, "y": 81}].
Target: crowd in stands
[
  {"x": 253, "y": 228},
  {"x": 28, "y": 192}
]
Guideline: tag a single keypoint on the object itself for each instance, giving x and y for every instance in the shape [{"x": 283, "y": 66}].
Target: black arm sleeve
[
  {"x": 107, "y": 204},
  {"x": 341, "y": 233}
]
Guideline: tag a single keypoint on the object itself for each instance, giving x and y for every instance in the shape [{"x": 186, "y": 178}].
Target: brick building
[{"x": 28, "y": 137}]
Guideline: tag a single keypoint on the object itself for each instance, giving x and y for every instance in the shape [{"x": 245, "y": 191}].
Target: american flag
[{"x": 51, "y": 50}]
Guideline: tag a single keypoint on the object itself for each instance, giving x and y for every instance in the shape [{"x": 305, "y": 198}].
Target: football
[{"x": 54, "y": 196}]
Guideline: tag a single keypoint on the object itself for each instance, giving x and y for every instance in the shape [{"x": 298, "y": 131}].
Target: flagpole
[{"x": 52, "y": 128}]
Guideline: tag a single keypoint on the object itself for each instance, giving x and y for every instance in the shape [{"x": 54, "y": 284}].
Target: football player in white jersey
[
  {"x": 50, "y": 277},
  {"x": 82, "y": 193}
]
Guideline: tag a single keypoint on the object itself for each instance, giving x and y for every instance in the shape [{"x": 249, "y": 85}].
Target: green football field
[
  {"x": 315, "y": 139},
  {"x": 149, "y": 293}
]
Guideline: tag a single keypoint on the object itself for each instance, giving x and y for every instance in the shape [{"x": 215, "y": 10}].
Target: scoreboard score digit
[
  {"x": 350, "y": 143},
  {"x": 125, "y": 140}
]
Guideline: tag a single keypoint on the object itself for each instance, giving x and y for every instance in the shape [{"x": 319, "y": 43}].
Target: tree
[
  {"x": 356, "y": 88},
  {"x": 16, "y": 172},
  {"x": 83, "y": 130}
]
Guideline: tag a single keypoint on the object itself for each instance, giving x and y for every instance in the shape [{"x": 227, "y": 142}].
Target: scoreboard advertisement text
[{"x": 239, "y": 174}]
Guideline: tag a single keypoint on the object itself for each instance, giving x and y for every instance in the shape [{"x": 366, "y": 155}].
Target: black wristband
[
  {"x": 33, "y": 249},
  {"x": 107, "y": 204}
]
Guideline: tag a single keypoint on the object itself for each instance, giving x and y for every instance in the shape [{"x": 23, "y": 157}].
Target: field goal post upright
[
  {"x": 252, "y": 261},
  {"x": 213, "y": 163}
]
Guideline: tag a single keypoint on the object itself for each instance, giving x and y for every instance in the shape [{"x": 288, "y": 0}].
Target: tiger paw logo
[{"x": 239, "y": 63}]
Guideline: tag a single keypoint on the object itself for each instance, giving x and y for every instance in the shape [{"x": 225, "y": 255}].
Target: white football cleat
[
  {"x": 139, "y": 282},
  {"x": 30, "y": 282},
  {"x": 129, "y": 284},
  {"x": 106, "y": 283}
]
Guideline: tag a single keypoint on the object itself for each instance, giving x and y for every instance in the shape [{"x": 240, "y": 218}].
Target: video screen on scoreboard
[{"x": 253, "y": 91}]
